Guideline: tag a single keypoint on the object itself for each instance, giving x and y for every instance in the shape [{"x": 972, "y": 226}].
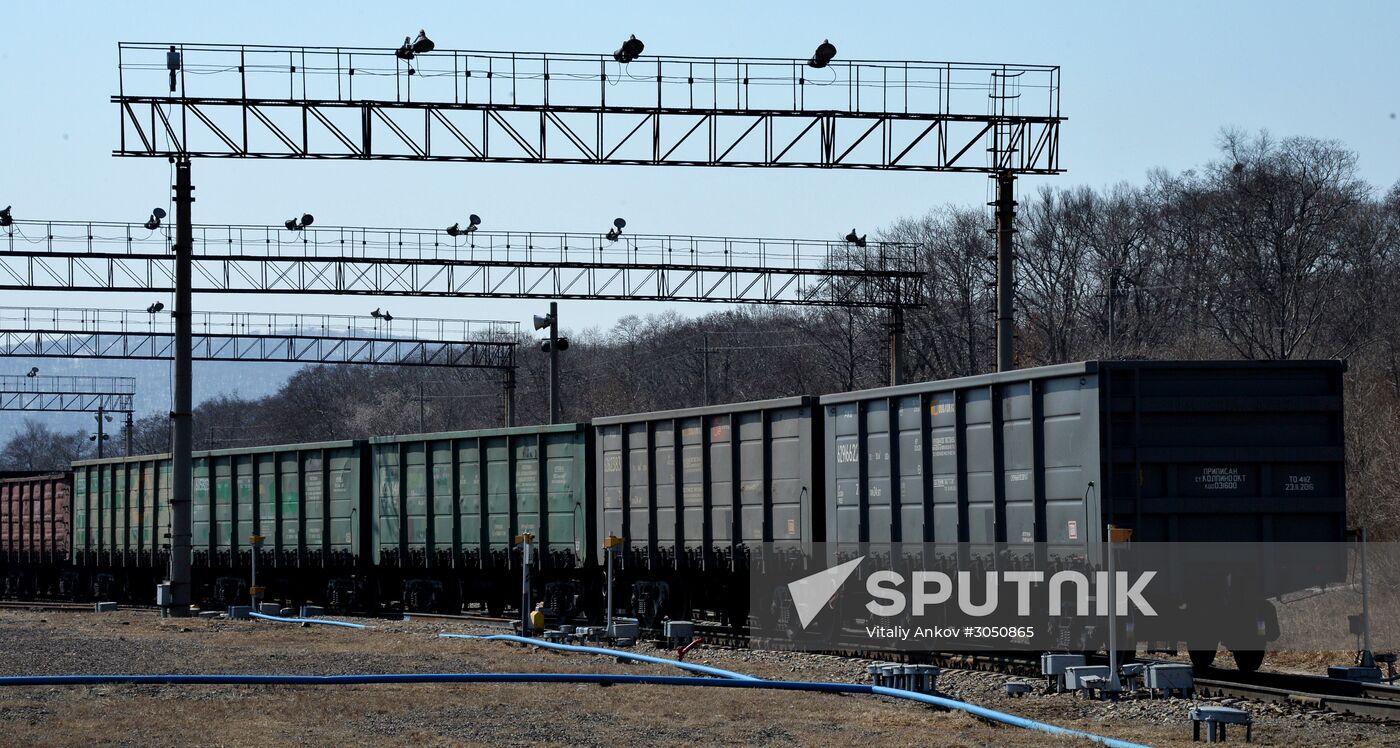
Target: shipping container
[
  {"x": 458, "y": 499},
  {"x": 695, "y": 488},
  {"x": 35, "y": 516}
]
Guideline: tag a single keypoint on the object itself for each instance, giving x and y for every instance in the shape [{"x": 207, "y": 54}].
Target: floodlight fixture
[
  {"x": 826, "y": 52},
  {"x": 376, "y": 313},
  {"x": 153, "y": 222},
  {"x": 859, "y": 241},
  {"x": 422, "y": 44},
  {"x": 616, "y": 231},
  {"x": 630, "y": 50},
  {"x": 294, "y": 224},
  {"x": 405, "y": 50},
  {"x": 5, "y": 218},
  {"x": 33, "y": 372},
  {"x": 456, "y": 229},
  {"x": 542, "y": 322},
  {"x": 155, "y": 308}
]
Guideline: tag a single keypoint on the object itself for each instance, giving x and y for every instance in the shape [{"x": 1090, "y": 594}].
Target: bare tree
[
  {"x": 1278, "y": 220},
  {"x": 38, "y": 447}
]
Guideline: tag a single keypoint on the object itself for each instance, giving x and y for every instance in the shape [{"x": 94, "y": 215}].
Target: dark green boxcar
[
  {"x": 448, "y": 506},
  {"x": 305, "y": 499}
]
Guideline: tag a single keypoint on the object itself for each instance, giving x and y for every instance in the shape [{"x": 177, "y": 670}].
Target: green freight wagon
[
  {"x": 303, "y": 499},
  {"x": 448, "y": 507},
  {"x": 121, "y": 525}
]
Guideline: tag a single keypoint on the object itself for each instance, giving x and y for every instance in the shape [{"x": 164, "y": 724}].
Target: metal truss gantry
[
  {"x": 98, "y": 256},
  {"x": 100, "y": 396},
  {"x": 31, "y": 332},
  {"x": 252, "y": 101},
  {"x": 67, "y": 394}
]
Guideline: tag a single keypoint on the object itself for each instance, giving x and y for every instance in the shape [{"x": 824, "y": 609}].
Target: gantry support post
[
  {"x": 181, "y": 417},
  {"x": 1006, "y": 285}
]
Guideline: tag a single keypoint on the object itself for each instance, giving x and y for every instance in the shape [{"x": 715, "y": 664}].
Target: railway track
[
  {"x": 46, "y": 605},
  {"x": 1380, "y": 701},
  {"x": 1333, "y": 694}
]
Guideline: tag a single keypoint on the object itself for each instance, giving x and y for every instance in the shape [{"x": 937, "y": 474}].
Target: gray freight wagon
[
  {"x": 1176, "y": 451},
  {"x": 694, "y": 492}
]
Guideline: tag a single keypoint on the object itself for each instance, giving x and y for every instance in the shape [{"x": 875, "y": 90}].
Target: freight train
[{"x": 1048, "y": 455}]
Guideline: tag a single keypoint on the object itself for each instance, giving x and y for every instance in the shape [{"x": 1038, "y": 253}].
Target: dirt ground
[{"x": 47, "y": 642}]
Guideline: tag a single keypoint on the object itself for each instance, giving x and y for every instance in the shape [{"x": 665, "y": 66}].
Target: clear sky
[{"x": 1145, "y": 85}]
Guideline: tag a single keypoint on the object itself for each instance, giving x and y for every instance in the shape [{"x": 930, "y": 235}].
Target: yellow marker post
[
  {"x": 524, "y": 540},
  {"x": 254, "y": 591},
  {"x": 1116, "y": 536},
  {"x": 610, "y": 543}
]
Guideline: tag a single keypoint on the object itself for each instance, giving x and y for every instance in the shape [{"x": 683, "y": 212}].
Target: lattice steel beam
[
  {"x": 54, "y": 255},
  {"x": 356, "y": 103},
  {"x": 67, "y": 394},
  {"x": 240, "y": 336}
]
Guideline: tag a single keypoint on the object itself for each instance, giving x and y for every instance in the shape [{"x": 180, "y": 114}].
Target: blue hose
[
  {"x": 280, "y": 619},
  {"x": 596, "y": 678},
  {"x": 692, "y": 667},
  {"x": 736, "y": 679}
]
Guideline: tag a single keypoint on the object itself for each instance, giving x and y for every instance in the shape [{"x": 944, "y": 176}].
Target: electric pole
[
  {"x": 100, "y": 435},
  {"x": 510, "y": 394},
  {"x": 1005, "y": 231},
  {"x": 896, "y": 345},
  {"x": 706, "y": 371},
  {"x": 181, "y": 417},
  {"x": 553, "y": 362}
]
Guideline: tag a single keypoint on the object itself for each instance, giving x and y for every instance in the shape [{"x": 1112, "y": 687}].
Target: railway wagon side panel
[
  {"x": 981, "y": 460},
  {"x": 1218, "y": 451},
  {"x": 35, "y": 518},
  {"x": 696, "y": 487},
  {"x": 460, "y": 498},
  {"x": 122, "y": 505},
  {"x": 303, "y": 499},
  {"x": 121, "y": 509}
]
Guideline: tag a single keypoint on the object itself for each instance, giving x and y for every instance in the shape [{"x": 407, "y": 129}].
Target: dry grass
[
  {"x": 405, "y": 714},
  {"x": 496, "y": 715}
]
